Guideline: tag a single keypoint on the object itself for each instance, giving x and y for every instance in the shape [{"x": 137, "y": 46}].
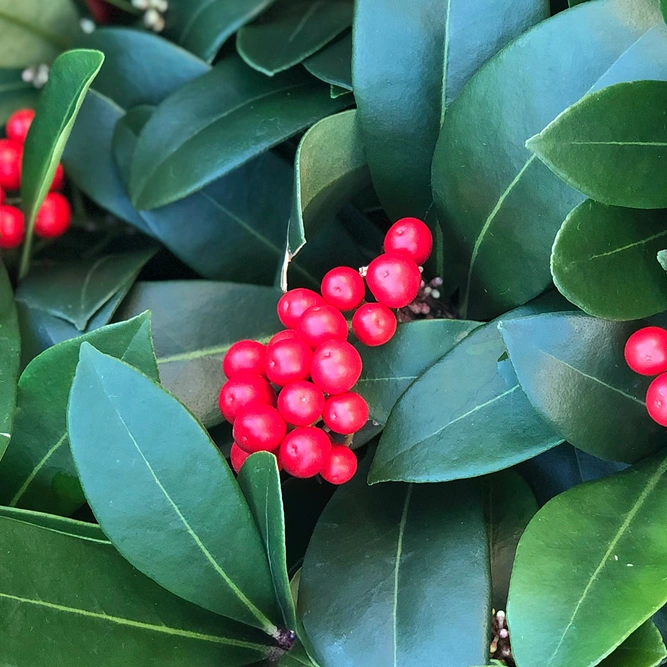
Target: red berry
[
  {"x": 343, "y": 288},
  {"x": 646, "y": 351},
  {"x": 18, "y": 124},
  {"x": 656, "y": 399},
  {"x": 11, "y": 155},
  {"x": 288, "y": 361},
  {"x": 285, "y": 334},
  {"x": 345, "y": 413},
  {"x": 12, "y": 227},
  {"x": 374, "y": 324},
  {"x": 259, "y": 428},
  {"x": 336, "y": 367},
  {"x": 237, "y": 456},
  {"x": 53, "y": 217},
  {"x": 340, "y": 466},
  {"x": 304, "y": 451},
  {"x": 394, "y": 280},
  {"x": 301, "y": 403},
  {"x": 101, "y": 11},
  {"x": 411, "y": 238},
  {"x": 295, "y": 303},
  {"x": 58, "y": 179},
  {"x": 320, "y": 324},
  {"x": 242, "y": 393},
  {"x": 3, "y": 197},
  {"x": 246, "y": 356}
]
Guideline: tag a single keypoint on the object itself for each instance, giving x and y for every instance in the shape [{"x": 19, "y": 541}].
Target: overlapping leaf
[
  {"x": 333, "y": 64},
  {"x": 10, "y": 357}
]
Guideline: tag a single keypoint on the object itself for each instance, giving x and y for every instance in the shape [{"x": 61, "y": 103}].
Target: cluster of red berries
[
  {"x": 646, "y": 354},
  {"x": 313, "y": 365},
  {"x": 55, "y": 214}
]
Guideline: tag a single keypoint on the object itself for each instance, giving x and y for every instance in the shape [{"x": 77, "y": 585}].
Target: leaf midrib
[
  {"x": 397, "y": 567},
  {"x": 609, "y": 253}
]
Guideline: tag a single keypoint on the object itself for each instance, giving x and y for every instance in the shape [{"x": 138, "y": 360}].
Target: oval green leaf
[
  {"x": 643, "y": 648},
  {"x": 333, "y": 64},
  {"x": 10, "y": 357}
]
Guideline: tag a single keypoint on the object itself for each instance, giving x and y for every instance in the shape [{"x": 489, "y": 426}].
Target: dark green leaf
[
  {"x": 10, "y": 358},
  {"x": 197, "y": 540},
  {"x": 15, "y": 93},
  {"x": 643, "y": 648},
  {"x": 571, "y": 366},
  {"x": 333, "y": 64},
  {"x": 290, "y": 31},
  {"x": 297, "y": 657},
  {"x": 663, "y": 9},
  {"x": 603, "y": 260},
  {"x": 37, "y": 471},
  {"x": 90, "y": 531}
]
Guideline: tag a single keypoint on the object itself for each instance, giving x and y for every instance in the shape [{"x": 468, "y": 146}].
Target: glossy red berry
[
  {"x": 374, "y": 324},
  {"x": 304, "y": 451},
  {"x": 345, "y": 413},
  {"x": 246, "y": 356},
  {"x": 18, "y": 124},
  {"x": 394, "y": 280},
  {"x": 343, "y": 288},
  {"x": 336, "y": 367},
  {"x": 295, "y": 303},
  {"x": 301, "y": 403},
  {"x": 237, "y": 456},
  {"x": 320, "y": 324},
  {"x": 340, "y": 466},
  {"x": 288, "y": 361},
  {"x": 12, "y": 227},
  {"x": 646, "y": 351},
  {"x": 259, "y": 428},
  {"x": 242, "y": 393},
  {"x": 656, "y": 399},
  {"x": 411, "y": 238},
  {"x": 58, "y": 179},
  {"x": 53, "y": 217},
  {"x": 11, "y": 155},
  {"x": 285, "y": 334}
]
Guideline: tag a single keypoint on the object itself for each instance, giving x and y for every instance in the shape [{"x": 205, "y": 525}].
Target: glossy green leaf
[
  {"x": 15, "y": 93},
  {"x": 571, "y": 366},
  {"x": 411, "y": 59},
  {"x": 198, "y": 540},
  {"x": 69, "y": 80},
  {"x": 186, "y": 146},
  {"x": 192, "y": 338},
  {"x": 585, "y": 574},
  {"x": 643, "y": 648},
  {"x": 333, "y": 64},
  {"x": 259, "y": 480},
  {"x": 61, "y": 524},
  {"x": 603, "y": 260},
  {"x": 85, "y": 597},
  {"x": 10, "y": 357},
  {"x": 499, "y": 206},
  {"x": 290, "y": 31},
  {"x": 37, "y": 471}
]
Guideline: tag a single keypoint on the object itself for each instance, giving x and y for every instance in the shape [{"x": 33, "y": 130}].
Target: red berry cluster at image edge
[
  {"x": 55, "y": 214},
  {"x": 293, "y": 396}
]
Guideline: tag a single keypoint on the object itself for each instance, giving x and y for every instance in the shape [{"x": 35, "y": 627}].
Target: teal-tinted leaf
[
  {"x": 643, "y": 648},
  {"x": 333, "y": 64},
  {"x": 290, "y": 31},
  {"x": 88, "y": 531},
  {"x": 69, "y": 79},
  {"x": 10, "y": 357},
  {"x": 197, "y": 540},
  {"x": 185, "y": 145},
  {"x": 662, "y": 259},
  {"x": 499, "y": 206},
  {"x": 86, "y": 597},
  {"x": 191, "y": 339},
  {"x": 15, "y": 93},
  {"x": 37, "y": 471},
  {"x": 411, "y": 59},
  {"x": 603, "y": 260},
  {"x": 259, "y": 480},
  {"x": 585, "y": 574},
  {"x": 571, "y": 366}
]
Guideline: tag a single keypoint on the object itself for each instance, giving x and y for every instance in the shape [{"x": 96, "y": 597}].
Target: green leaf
[
  {"x": 662, "y": 259},
  {"x": 499, "y": 206},
  {"x": 85, "y": 597},
  {"x": 37, "y": 471},
  {"x": 10, "y": 357},
  {"x": 411, "y": 59},
  {"x": 259, "y": 480},
  {"x": 585, "y": 575},
  {"x": 333, "y": 64},
  {"x": 291, "y": 30},
  {"x": 186, "y": 146},
  {"x": 198, "y": 541},
  {"x": 34, "y": 31},
  {"x": 571, "y": 366},
  {"x": 643, "y": 648},
  {"x": 84, "y": 530},
  {"x": 663, "y": 9},
  {"x": 15, "y": 93},
  {"x": 603, "y": 260},
  {"x": 191, "y": 339},
  {"x": 69, "y": 79}
]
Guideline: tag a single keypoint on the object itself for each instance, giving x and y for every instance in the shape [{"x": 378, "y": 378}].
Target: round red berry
[
  {"x": 336, "y": 367},
  {"x": 12, "y": 227},
  {"x": 646, "y": 351},
  {"x": 237, "y": 456},
  {"x": 246, "y": 356},
  {"x": 259, "y": 428},
  {"x": 301, "y": 403},
  {"x": 242, "y": 393},
  {"x": 374, "y": 324},
  {"x": 58, "y": 179},
  {"x": 394, "y": 280},
  {"x": 304, "y": 451},
  {"x": 11, "y": 155},
  {"x": 340, "y": 466},
  {"x": 295, "y": 303},
  {"x": 343, "y": 288},
  {"x": 411, "y": 238},
  {"x": 285, "y": 334},
  {"x": 656, "y": 399},
  {"x": 320, "y": 324},
  {"x": 3, "y": 197},
  {"x": 53, "y": 217},
  {"x": 345, "y": 413},
  {"x": 288, "y": 361},
  {"x": 19, "y": 123},
  {"x": 101, "y": 11}
]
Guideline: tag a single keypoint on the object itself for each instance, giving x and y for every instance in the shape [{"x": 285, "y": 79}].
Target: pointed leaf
[
  {"x": 84, "y": 530},
  {"x": 333, "y": 64},
  {"x": 10, "y": 358}
]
